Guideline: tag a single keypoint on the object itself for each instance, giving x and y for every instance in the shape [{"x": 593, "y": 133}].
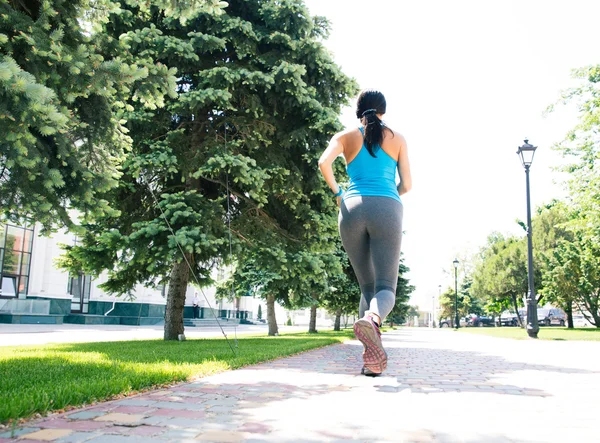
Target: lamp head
[
  {"x": 526, "y": 153},
  {"x": 455, "y": 262}
]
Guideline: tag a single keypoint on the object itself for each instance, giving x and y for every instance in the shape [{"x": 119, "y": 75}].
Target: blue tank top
[{"x": 372, "y": 176}]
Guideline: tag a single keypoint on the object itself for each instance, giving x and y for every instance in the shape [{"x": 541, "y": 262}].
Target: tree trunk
[
  {"x": 569, "y": 312},
  {"x": 178, "y": 281},
  {"x": 273, "y": 330},
  {"x": 590, "y": 303},
  {"x": 338, "y": 318},
  {"x": 516, "y": 306},
  {"x": 312, "y": 326}
]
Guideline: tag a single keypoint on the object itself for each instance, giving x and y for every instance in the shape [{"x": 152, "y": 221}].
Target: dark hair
[{"x": 370, "y": 103}]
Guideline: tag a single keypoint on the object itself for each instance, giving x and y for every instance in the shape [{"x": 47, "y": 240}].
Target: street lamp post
[
  {"x": 526, "y": 153},
  {"x": 432, "y": 323},
  {"x": 456, "y": 320},
  {"x": 438, "y": 305}
]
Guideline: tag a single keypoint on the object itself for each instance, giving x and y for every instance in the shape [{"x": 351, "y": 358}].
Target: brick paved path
[{"x": 440, "y": 386}]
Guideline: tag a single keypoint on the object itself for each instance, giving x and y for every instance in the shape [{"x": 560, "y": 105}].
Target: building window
[
  {"x": 79, "y": 287},
  {"x": 15, "y": 259}
]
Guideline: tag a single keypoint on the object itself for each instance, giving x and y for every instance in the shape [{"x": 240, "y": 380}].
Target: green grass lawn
[
  {"x": 546, "y": 333},
  {"x": 38, "y": 379}
]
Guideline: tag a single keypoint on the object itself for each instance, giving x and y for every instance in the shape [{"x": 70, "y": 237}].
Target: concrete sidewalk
[
  {"x": 440, "y": 386},
  {"x": 16, "y": 335}
]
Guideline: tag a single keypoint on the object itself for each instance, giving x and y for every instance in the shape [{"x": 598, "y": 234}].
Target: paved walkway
[{"x": 441, "y": 386}]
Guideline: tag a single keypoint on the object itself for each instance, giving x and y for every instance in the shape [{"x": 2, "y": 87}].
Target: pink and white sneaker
[{"x": 374, "y": 356}]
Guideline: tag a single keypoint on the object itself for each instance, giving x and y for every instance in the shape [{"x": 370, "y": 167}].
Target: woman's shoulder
[
  {"x": 349, "y": 133},
  {"x": 394, "y": 138},
  {"x": 348, "y": 136}
]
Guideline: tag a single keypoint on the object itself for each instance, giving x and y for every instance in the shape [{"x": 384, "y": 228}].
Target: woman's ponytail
[{"x": 369, "y": 104}]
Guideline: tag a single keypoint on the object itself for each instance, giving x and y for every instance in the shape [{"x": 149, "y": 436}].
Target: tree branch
[
  {"x": 268, "y": 217},
  {"x": 242, "y": 237}
]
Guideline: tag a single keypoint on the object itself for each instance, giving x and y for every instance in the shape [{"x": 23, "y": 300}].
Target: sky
[{"x": 465, "y": 83}]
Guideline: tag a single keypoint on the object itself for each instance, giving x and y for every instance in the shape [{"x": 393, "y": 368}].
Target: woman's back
[{"x": 371, "y": 175}]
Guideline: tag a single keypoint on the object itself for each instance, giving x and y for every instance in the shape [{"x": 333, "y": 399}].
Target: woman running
[{"x": 370, "y": 218}]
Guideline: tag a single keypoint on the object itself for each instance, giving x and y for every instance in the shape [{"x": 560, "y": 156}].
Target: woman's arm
[
  {"x": 335, "y": 148},
  {"x": 404, "y": 168}
]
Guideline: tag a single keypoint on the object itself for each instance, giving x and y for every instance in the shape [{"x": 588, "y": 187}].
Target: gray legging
[{"x": 371, "y": 231}]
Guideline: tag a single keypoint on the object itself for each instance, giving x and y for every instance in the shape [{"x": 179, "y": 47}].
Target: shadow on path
[{"x": 423, "y": 369}]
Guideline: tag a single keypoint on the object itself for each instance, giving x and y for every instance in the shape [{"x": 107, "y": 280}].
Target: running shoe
[
  {"x": 374, "y": 356},
  {"x": 368, "y": 372}
]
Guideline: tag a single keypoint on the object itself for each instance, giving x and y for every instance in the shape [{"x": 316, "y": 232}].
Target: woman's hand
[{"x": 338, "y": 200}]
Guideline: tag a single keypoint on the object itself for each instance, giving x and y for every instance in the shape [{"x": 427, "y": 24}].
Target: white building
[{"x": 34, "y": 290}]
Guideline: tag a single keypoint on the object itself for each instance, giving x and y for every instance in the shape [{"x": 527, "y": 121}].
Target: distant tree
[
  {"x": 468, "y": 301},
  {"x": 582, "y": 149},
  {"x": 259, "y": 314},
  {"x": 404, "y": 290},
  {"x": 550, "y": 230},
  {"x": 413, "y": 311},
  {"x": 574, "y": 269},
  {"x": 500, "y": 276},
  {"x": 341, "y": 296},
  {"x": 575, "y": 263},
  {"x": 447, "y": 302}
]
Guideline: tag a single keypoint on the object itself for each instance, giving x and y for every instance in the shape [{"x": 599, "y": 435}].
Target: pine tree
[
  {"x": 258, "y": 98},
  {"x": 61, "y": 103}
]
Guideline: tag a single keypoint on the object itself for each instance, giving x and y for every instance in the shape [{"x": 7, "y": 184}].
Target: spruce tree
[
  {"x": 61, "y": 103},
  {"x": 258, "y": 97}
]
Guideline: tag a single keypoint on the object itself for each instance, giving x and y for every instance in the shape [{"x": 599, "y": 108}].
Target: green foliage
[
  {"x": 572, "y": 272},
  {"x": 447, "y": 304},
  {"x": 572, "y": 276},
  {"x": 412, "y": 311},
  {"x": 258, "y": 96},
  {"x": 342, "y": 291},
  {"x": 61, "y": 102},
  {"x": 404, "y": 289},
  {"x": 550, "y": 233},
  {"x": 582, "y": 148},
  {"x": 39, "y": 379},
  {"x": 468, "y": 301},
  {"x": 500, "y": 275}
]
